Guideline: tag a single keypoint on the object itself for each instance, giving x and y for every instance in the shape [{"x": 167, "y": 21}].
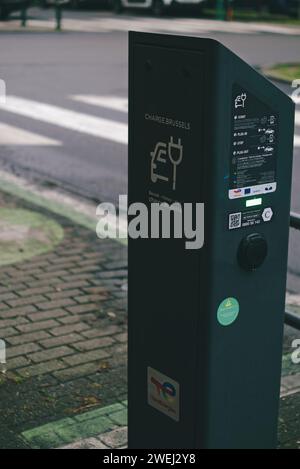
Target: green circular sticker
[{"x": 228, "y": 311}]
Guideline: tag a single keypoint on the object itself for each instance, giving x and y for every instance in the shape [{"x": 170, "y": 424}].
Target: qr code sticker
[{"x": 235, "y": 220}]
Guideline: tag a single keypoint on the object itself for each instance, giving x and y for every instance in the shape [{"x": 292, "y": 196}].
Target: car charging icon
[{"x": 164, "y": 152}]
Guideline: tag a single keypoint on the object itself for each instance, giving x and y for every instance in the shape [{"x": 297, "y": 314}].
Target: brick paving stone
[
  {"x": 33, "y": 264},
  {"x": 88, "y": 443},
  {"x": 31, "y": 337},
  {"x": 26, "y": 301},
  {"x": 36, "y": 326},
  {"x": 47, "y": 275},
  {"x": 35, "y": 291},
  {"x": 89, "y": 318},
  {"x": 17, "y": 362},
  {"x": 61, "y": 340},
  {"x": 115, "y": 439},
  {"x": 8, "y": 296},
  {"x": 69, "y": 329},
  {"x": 119, "y": 418},
  {"x": 93, "y": 255},
  {"x": 64, "y": 266},
  {"x": 121, "y": 337},
  {"x": 50, "y": 354},
  {"x": 94, "y": 344},
  {"x": 86, "y": 357},
  {"x": 41, "y": 368},
  {"x": 119, "y": 264},
  {"x": 12, "y": 322},
  {"x": 113, "y": 273},
  {"x": 42, "y": 283},
  {"x": 61, "y": 260},
  {"x": 51, "y": 314},
  {"x": 20, "y": 275},
  {"x": 72, "y": 284},
  {"x": 56, "y": 303},
  {"x": 3, "y": 290},
  {"x": 7, "y": 332},
  {"x": 84, "y": 298},
  {"x": 22, "y": 350},
  {"x": 94, "y": 290},
  {"x": 76, "y": 371},
  {"x": 63, "y": 294},
  {"x": 88, "y": 262},
  {"x": 80, "y": 309},
  {"x": 77, "y": 277},
  {"x": 14, "y": 312},
  {"x": 82, "y": 270},
  {"x": 103, "y": 331}
]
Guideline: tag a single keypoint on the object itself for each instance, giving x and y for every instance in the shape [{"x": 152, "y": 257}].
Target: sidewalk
[
  {"x": 106, "y": 21},
  {"x": 63, "y": 317}
]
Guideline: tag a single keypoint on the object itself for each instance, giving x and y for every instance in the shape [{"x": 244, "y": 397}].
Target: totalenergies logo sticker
[
  {"x": 165, "y": 390},
  {"x": 163, "y": 393}
]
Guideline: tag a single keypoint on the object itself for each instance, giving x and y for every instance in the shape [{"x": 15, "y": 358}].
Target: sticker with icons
[{"x": 253, "y": 152}]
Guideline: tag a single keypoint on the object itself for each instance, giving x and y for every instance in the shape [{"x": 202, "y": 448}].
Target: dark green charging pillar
[{"x": 206, "y": 325}]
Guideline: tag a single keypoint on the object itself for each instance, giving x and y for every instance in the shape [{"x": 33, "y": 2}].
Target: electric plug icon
[
  {"x": 175, "y": 153},
  {"x": 243, "y": 98}
]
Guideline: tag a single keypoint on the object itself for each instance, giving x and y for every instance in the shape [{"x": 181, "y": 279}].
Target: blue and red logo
[{"x": 165, "y": 390}]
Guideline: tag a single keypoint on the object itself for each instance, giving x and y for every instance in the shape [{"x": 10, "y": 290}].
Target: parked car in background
[
  {"x": 157, "y": 6},
  {"x": 8, "y": 6},
  {"x": 76, "y": 4}
]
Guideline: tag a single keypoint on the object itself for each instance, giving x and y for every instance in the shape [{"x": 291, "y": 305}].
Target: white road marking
[
  {"x": 10, "y": 135},
  {"x": 79, "y": 122},
  {"x": 111, "y": 102},
  {"x": 83, "y": 123}
]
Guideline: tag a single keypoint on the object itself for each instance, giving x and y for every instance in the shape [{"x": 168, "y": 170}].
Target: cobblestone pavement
[{"x": 63, "y": 318}]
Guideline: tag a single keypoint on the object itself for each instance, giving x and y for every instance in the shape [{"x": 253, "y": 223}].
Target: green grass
[{"x": 286, "y": 72}]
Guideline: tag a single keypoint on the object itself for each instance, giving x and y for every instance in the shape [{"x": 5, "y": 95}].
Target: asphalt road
[{"x": 68, "y": 73}]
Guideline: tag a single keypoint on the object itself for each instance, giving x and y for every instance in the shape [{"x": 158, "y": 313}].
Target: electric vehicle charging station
[{"x": 206, "y": 325}]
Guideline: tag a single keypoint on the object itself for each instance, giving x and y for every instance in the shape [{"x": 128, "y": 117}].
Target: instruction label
[{"x": 254, "y": 142}]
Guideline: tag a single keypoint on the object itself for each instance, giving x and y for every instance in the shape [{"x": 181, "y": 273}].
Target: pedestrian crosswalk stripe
[
  {"x": 72, "y": 120},
  {"x": 10, "y": 135},
  {"x": 111, "y": 102},
  {"x": 83, "y": 123}
]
